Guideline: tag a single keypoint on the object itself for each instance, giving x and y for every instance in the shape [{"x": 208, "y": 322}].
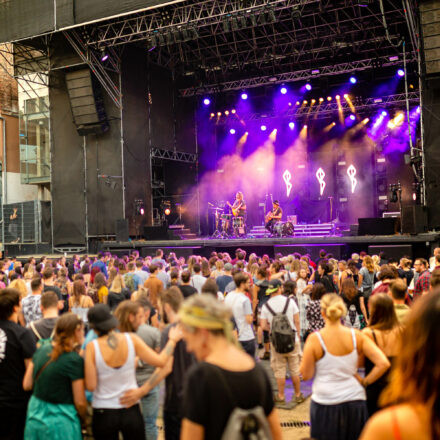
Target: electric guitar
[
  {"x": 268, "y": 218},
  {"x": 234, "y": 210}
]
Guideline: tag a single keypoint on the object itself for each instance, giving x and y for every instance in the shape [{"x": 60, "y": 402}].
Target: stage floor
[{"x": 421, "y": 244}]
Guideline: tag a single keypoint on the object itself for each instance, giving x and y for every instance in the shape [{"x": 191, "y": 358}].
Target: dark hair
[
  {"x": 325, "y": 267},
  {"x": 289, "y": 287},
  {"x": 49, "y": 300},
  {"x": 423, "y": 261},
  {"x": 197, "y": 268},
  {"x": 153, "y": 268},
  {"x": 9, "y": 298},
  {"x": 318, "y": 291},
  {"x": 240, "y": 278},
  {"x": 172, "y": 296},
  {"x": 435, "y": 278},
  {"x": 35, "y": 283},
  {"x": 262, "y": 271},
  {"x": 174, "y": 274},
  {"x": 47, "y": 273},
  {"x": 123, "y": 312},
  {"x": 99, "y": 280},
  {"x": 210, "y": 287},
  {"x": 185, "y": 276},
  {"x": 139, "y": 263},
  {"x": 382, "y": 313},
  {"x": 398, "y": 289},
  {"x": 348, "y": 288},
  {"x": 79, "y": 289},
  {"x": 159, "y": 252},
  {"x": 386, "y": 272}
]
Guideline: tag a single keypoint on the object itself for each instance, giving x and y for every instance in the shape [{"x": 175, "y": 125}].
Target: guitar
[
  {"x": 268, "y": 218},
  {"x": 234, "y": 210}
]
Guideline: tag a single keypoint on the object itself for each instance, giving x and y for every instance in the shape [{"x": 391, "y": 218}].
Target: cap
[
  {"x": 274, "y": 285},
  {"x": 276, "y": 202},
  {"x": 101, "y": 319},
  {"x": 228, "y": 267}
]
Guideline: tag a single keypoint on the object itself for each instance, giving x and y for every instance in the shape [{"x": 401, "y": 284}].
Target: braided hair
[{"x": 63, "y": 340}]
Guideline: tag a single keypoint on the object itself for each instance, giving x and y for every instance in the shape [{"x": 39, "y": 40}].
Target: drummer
[{"x": 274, "y": 216}]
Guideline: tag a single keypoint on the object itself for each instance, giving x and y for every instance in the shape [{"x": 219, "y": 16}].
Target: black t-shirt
[
  {"x": 114, "y": 299},
  {"x": 327, "y": 281},
  {"x": 187, "y": 290},
  {"x": 44, "y": 327},
  {"x": 174, "y": 382},
  {"x": 16, "y": 345},
  {"x": 61, "y": 296},
  {"x": 212, "y": 393},
  {"x": 408, "y": 274}
]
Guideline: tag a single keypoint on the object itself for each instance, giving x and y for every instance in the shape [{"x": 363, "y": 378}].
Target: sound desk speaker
[
  {"x": 414, "y": 219},
  {"x": 122, "y": 233}
]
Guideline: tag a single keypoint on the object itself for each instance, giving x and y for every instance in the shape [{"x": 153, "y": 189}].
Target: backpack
[
  {"x": 244, "y": 424},
  {"x": 282, "y": 334}
]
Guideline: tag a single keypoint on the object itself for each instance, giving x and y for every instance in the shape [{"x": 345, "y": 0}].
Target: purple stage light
[
  {"x": 206, "y": 101},
  {"x": 283, "y": 90},
  {"x": 353, "y": 80},
  {"x": 384, "y": 113},
  {"x": 401, "y": 72},
  {"x": 232, "y": 131},
  {"x": 104, "y": 56},
  {"x": 291, "y": 125},
  {"x": 263, "y": 128},
  {"x": 352, "y": 117},
  {"x": 308, "y": 87},
  {"x": 244, "y": 96}
]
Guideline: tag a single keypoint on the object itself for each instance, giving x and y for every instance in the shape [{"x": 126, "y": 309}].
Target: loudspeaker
[
  {"x": 156, "y": 232},
  {"x": 86, "y": 103},
  {"x": 122, "y": 233},
  {"x": 430, "y": 23},
  {"x": 377, "y": 226},
  {"x": 414, "y": 219}
]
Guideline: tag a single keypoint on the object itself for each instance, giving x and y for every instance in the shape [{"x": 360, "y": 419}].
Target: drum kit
[
  {"x": 223, "y": 223},
  {"x": 284, "y": 229}
]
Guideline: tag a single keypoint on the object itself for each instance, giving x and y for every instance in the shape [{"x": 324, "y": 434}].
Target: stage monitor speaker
[
  {"x": 122, "y": 232},
  {"x": 414, "y": 219},
  {"x": 395, "y": 252},
  {"x": 86, "y": 103},
  {"x": 377, "y": 226},
  {"x": 156, "y": 232}
]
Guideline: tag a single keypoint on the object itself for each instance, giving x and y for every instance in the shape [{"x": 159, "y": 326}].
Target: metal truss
[
  {"x": 102, "y": 71},
  {"x": 329, "y": 109},
  {"x": 177, "y": 156},
  {"x": 298, "y": 75}
]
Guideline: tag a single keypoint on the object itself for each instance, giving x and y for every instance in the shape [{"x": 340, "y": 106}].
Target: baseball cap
[{"x": 274, "y": 285}]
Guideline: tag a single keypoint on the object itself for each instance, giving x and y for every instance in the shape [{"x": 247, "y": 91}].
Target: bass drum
[
  {"x": 288, "y": 229},
  {"x": 278, "y": 229}
]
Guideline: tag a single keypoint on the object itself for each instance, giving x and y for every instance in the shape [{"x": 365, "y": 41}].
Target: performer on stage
[
  {"x": 239, "y": 206},
  {"x": 274, "y": 216}
]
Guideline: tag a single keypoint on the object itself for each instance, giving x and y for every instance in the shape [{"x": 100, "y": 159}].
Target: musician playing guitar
[
  {"x": 239, "y": 206},
  {"x": 273, "y": 217}
]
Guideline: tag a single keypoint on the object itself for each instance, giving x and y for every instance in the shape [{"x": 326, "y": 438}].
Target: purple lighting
[
  {"x": 353, "y": 80},
  {"x": 401, "y": 72},
  {"x": 104, "y": 56},
  {"x": 206, "y": 101},
  {"x": 308, "y": 87},
  {"x": 283, "y": 90},
  {"x": 291, "y": 125},
  {"x": 352, "y": 117},
  {"x": 263, "y": 128},
  {"x": 244, "y": 96},
  {"x": 384, "y": 113},
  {"x": 232, "y": 131}
]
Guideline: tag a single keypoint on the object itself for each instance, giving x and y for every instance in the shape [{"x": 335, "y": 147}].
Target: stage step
[{"x": 310, "y": 230}]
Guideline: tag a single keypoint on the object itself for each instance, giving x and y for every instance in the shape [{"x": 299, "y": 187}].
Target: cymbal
[{"x": 214, "y": 208}]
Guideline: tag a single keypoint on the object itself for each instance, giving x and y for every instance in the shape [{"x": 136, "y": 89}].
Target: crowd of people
[{"x": 85, "y": 343}]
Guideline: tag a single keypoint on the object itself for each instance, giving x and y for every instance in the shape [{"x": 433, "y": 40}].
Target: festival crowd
[{"x": 86, "y": 342}]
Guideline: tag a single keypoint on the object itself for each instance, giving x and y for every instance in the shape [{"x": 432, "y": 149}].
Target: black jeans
[
  {"x": 108, "y": 423},
  {"x": 172, "y": 424},
  {"x": 12, "y": 421},
  {"x": 271, "y": 224},
  {"x": 249, "y": 347}
]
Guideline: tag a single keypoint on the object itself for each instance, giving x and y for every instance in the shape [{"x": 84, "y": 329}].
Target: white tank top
[
  {"x": 334, "y": 380},
  {"x": 113, "y": 382}
]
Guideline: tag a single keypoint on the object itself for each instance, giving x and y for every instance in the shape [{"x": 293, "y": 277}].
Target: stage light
[
  {"x": 346, "y": 96},
  {"x": 273, "y": 135},
  {"x": 212, "y": 115},
  {"x": 308, "y": 87},
  {"x": 313, "y": 101},
  {"x": 384, "y": 113},
  {"x": 291, "y": 125},
  {"x": 401, "y": 72},
  {"x": 329, "y": 98},
  {"x": 206, "y": 101},
  {"x": 227, "y": 112},
  {"x": 418, "y": 110},
  {"x": 352, "y": 117},
  {"x": 244, "y": 96},
  {"x": 298, "y": 103},
  {"x": 219, "y": 114},
  {"x": 232, "y": 131},
  {"x": 104, "y": 55},
  {"x": 142, "y": 211},
  {"x": 283, "y": 90},
  {"x": 366, "y": 121},
  {"x": 305, "y": 102},
  {"x": 353, "y": 80},
  {"x": 233, "y": 111},
  {"x": 321, "y": 100},
  {"x": 263, "y": 128},
  {"x": 167, "y": 211},
  {"x": 338, "y": 97}
]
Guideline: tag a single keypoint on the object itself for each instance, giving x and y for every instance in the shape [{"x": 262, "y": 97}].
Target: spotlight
[
  {"x": 305, "y": 126},
  {"x": 104, "y": 55},
  {"x": 167, "y": 211},
  {"x": 283, "y": 90},
  {"x": 233, "y": 111},
  {"x": 353, "y": 80},
  {"x": 298, "y": 103},
  {"x": 305, "y": 102},
  {"x": 212, "y": 115},
  {"x": 366, "y": 121},
  {"x": 291, "y": 125},
  {"x": 142, "y": 211},
  {"x": 308, "y": 87},
  {"x": 384, "y": 113},
  {"x": 227, "y": 112},
  {"x": 321, "y": 99},
  {"x": 329, "y": 98},
  {"x": 206, "y": 101},
  {"x": 139, "y": 207},
  {"x": 346, "y": 96},
  {"x": 352, "y": 117},
  {"x": 401, "y": 72},
  {"x": 338, "y": 97},
  {"x": 244, "y": 96},
  {"x": 313, "y": 101},
  {"x": 219, "y": 114},
  {"x": 232, "y": 131},
  {"x": 263, "y": 128}
]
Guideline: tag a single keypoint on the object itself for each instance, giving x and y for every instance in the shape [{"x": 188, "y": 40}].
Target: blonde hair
[
  {"x": 369, "y": 263},
  {"x": 19, "y": 285},
  {"x": 333, "y": 306}
]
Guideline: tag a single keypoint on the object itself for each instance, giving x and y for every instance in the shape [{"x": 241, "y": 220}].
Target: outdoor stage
[{"x": 396, "y": 246}]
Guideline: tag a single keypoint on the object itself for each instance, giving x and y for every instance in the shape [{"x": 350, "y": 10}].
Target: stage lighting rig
[
  {"x": 139, "y": 208},
  {"x": 395, "y": 192}
]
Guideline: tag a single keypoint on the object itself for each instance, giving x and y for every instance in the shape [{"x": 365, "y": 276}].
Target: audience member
[
  {"x": 398, "y": 291},
  {"x": 44, "y": 328},
  {"x": 30, "y": 305},
  {"x": 422, "y": 284},
  {"x": 185, "y": 286},
  {"x": 154, "y": 285}
]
